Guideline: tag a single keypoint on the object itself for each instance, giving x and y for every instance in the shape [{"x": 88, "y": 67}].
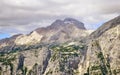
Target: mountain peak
[
  {"x": 58, "y": 22},
  {"x": 75, "y": 22},
  {"x": 67, "y": 21}
]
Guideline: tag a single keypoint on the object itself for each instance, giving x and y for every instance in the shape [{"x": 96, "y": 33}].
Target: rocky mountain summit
[
  {"x": 60, "y": 31},
  {"x": 65, "y": 47}
]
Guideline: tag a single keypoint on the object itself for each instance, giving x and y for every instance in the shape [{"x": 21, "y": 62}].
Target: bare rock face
[
  {"x": 8, "y": 41},
  {"x": 32, "y": 38},
  {"x": 75, "y": 22},
  {"x": 103, "y": 50}
]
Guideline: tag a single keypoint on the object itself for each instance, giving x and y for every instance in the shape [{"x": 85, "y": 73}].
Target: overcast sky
[{"x": 23, "y": 16}]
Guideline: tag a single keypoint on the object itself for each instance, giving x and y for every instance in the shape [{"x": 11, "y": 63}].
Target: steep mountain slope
[
  {"x": 103, "y": 54},
  {"x": 63, "y": 29},
  {"x": 106, "y": 26}
]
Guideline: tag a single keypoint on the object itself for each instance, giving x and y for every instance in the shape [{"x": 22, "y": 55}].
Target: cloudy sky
[{"x": 23, "y": 16}]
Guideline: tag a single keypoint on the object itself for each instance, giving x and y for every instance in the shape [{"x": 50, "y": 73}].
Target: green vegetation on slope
[
  {"x": 7, "y": 60},
  {"x": 66, "y": 55}
]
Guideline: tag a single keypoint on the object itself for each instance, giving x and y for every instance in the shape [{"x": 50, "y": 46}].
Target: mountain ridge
[
  {"x": 108, "y": 25},
  {"x": 61, "y": 30}
]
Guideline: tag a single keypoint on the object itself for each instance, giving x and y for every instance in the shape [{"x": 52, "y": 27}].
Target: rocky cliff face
[{"x": 102, "y": 56}]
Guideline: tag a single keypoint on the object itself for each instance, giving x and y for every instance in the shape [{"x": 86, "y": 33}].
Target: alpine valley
[{"x": 65, "y": 47}]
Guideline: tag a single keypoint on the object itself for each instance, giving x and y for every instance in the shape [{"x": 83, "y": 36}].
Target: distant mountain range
[{"x": 65, "y": 47}]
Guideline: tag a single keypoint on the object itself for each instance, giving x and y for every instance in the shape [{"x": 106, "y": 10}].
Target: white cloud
[{"x": 24, "y": 3}]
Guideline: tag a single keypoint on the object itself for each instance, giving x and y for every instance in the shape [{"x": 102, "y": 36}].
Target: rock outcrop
[{"x": 103, "y": 51}]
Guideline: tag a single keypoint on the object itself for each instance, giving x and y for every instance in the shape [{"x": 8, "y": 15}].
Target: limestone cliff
[{"x": 103, "y": 53}]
